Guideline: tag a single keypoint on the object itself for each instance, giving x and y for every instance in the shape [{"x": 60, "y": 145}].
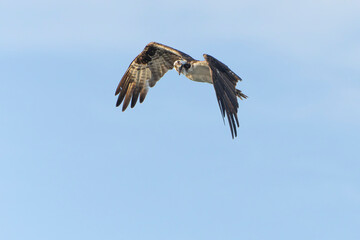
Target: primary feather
[{"x": 156, "y": 59}]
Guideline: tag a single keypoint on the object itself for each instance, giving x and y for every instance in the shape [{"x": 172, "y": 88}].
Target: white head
[{"x": 179, "y": 66}]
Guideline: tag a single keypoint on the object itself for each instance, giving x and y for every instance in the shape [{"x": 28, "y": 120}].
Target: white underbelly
[
  {"x": 199, "y": 78},
  {"x": 199, "y": 73}
]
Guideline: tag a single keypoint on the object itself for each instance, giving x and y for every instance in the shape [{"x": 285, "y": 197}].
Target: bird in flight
[{"x": 156, "y": 59}]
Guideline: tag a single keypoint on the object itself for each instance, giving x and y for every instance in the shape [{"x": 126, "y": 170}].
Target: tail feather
[{"x": 240, "y": 94}]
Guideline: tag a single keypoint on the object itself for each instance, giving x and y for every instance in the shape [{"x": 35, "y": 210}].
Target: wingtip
[
  {"x": 117, "y": 103},
  {"x": 153, "y": 43},
  {"x": 234, "y": 134},
  {"x": 133, "y": 103},
  {"x": 205, "y": 56},
  {"x": 117, "y": 91}
]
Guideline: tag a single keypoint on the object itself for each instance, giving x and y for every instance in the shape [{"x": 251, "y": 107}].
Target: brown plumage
[
  {"x": 156, "y": 59},
  {"x": 224, "y": 81},
  {"x": 145, "y": 70}
]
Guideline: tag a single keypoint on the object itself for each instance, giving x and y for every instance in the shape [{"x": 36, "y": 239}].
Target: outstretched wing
[
  {"x": 145, "y": 70},
  {"x": 224, "y": 81}
]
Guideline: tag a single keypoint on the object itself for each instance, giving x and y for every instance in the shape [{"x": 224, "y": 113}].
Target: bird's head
[{"x": 179, "y": 66}]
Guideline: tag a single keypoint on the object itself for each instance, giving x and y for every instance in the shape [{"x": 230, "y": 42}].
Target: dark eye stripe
[{"x": 187, "y": 65}]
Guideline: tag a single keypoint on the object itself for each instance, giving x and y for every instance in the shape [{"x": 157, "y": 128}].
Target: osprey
[{"x": 156, "y": 59}]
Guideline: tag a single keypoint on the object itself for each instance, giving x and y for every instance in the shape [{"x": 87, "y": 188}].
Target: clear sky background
[{"x": 72, "y": 166}]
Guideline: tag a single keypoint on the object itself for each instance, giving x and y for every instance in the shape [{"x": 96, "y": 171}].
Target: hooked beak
[{"x": 180, "y": 68}]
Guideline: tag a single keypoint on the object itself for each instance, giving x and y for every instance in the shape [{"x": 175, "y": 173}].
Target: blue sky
[{"x": 72, "y": 166}]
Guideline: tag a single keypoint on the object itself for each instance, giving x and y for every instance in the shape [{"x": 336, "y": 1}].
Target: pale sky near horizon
[{"x": 72, "y": 166}]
